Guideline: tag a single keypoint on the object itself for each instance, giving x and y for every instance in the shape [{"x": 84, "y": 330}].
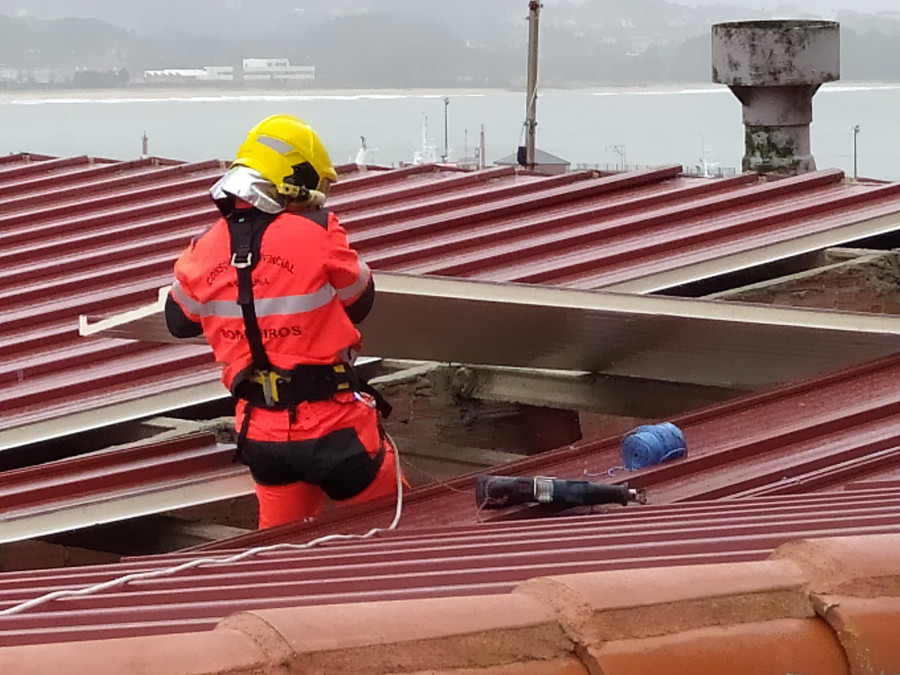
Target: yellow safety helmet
[{"x": 286, "y": 152}]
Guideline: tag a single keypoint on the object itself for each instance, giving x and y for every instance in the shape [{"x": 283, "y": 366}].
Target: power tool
[{"x": 497, "y": 492}]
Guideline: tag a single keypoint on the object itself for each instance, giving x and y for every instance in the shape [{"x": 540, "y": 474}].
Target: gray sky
[{"x": 812, "y": 6}]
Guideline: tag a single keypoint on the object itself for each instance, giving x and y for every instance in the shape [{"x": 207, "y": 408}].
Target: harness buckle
[
  {"x": 342, "y": 384},
  {"x": 269, "y": 380},
  {"x": 241, "y": 264}
]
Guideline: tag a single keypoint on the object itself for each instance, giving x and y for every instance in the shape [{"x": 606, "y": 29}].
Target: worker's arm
[
  {"x": 359, "y": 308},
  {"x": 178, "y": 323},
  {"x": 348, "y": 274},
  {"x": 182, "y": 308}
]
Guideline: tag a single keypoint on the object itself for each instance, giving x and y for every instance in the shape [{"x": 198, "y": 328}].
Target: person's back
[{"x": 276, "y": 290}]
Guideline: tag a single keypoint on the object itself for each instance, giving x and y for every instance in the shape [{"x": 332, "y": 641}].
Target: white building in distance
[
  {"x": 276, "y": 70},
  {"x": 252, "y": 70},
  {"x": 206, "y": 74}
]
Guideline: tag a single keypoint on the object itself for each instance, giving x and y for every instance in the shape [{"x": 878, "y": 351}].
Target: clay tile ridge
[{"x": 827, "y": 606}]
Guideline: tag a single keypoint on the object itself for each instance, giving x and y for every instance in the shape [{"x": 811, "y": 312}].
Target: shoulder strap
[
  {"x": 245, "y": 230},
  {"x": 318, "y": 216}
]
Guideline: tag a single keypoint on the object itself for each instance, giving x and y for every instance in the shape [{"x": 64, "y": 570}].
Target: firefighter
[{"x": 277, "y": 292}]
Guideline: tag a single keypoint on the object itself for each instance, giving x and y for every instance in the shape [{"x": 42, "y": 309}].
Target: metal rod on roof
[
  {"x": 534, "y": 10},
  {"x": 446, "y": 142},
  {"x": 481, "y": 148}
]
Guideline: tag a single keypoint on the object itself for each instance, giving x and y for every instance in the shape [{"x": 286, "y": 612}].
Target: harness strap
[
  {"x": 242, "y": 435},
  {"x": 245, "y": 229}
]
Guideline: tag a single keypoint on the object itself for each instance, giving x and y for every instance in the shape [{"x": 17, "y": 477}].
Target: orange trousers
[
  {"x": 280, "y": 504},
  {"x": 287, "y": 488}
]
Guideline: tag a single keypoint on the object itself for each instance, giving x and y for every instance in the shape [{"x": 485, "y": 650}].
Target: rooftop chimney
[{"x": 775, "y": 68}]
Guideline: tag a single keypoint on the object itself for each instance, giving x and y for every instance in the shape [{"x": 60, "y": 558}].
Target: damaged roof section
[
  {"x": 834, "y": 432},
  {"x": 811, "y": 436}
]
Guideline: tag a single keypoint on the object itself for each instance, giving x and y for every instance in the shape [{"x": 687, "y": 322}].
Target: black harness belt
[{"x": 278, "y": 389}]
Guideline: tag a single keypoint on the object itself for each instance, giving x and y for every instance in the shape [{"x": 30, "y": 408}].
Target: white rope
[{"x": 137, "y": 576}]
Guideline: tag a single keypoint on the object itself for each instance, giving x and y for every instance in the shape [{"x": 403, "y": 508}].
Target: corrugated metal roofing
[
  {"x": 105, "y": 243},
  {"x": 490, "y": 558},
  {"x": 819, "y": 434},
  {"x": 119, "y": 483},
  {"x": 822, "y": 434}
]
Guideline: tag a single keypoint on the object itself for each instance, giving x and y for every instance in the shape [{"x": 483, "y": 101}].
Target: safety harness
[{"x": 263, "y": 385}]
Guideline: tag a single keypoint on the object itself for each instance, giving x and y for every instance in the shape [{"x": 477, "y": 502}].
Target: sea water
[{"x": 608, "y": 128}]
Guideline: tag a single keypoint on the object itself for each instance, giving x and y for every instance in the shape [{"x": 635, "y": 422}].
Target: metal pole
[
  {"x": 534, "y": 10},
  {"x": 466, "y": 147},
  {"x": 446, "y": 142},
  {"x": 855, "y": 133},
  {"x": 481, "y": 148}
]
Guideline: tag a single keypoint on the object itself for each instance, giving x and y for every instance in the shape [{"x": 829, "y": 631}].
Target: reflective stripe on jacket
[{"x": 305, "y": 276}]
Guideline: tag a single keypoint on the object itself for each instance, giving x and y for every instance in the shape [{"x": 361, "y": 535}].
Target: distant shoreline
[{"x": 149, "y": 93}]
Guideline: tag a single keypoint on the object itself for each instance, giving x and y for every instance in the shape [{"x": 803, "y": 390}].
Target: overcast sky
[{"x": 812, "y": 6}]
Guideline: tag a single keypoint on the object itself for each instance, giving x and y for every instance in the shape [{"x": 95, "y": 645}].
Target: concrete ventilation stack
[{"x": 774, "y": 68}]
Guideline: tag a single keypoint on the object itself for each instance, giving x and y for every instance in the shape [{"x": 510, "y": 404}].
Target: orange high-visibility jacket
[{"x": 305, "y": 276}]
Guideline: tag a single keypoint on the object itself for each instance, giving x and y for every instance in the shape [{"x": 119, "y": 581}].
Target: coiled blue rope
[{"x": 651, "y": 444}]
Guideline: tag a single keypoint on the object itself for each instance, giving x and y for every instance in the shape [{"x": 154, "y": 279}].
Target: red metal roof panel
[
  {"x": 106, "y": 243},
  {"x": 177, "y": 595},
  {"x": 117, "y": 484}
]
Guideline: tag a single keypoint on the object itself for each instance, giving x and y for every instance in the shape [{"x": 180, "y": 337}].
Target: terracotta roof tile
[
  {"x": 782, "y": 646},
  {"x": 703, "y": 629},
  {"x": 660, "y": 600},
  {"x": 868, "y": 630},
  {"x": 401, "y": 636},
  {"x": 853, "y": 565}
]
